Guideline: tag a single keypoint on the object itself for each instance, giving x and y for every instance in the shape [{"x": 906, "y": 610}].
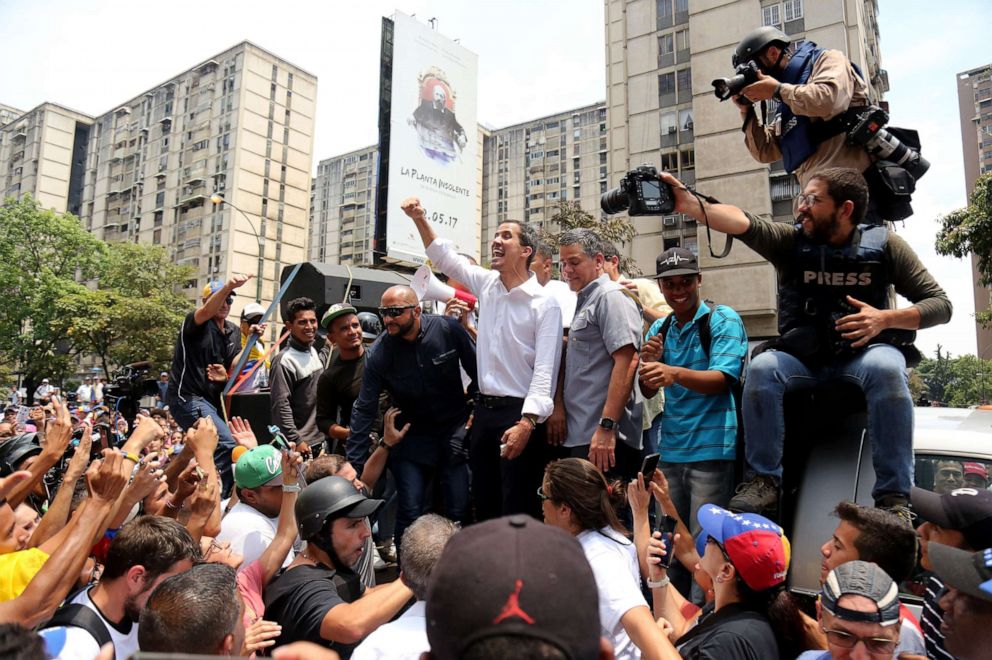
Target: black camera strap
[{"x": 706, "y": 221}]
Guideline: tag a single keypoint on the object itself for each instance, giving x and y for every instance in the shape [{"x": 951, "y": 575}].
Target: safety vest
[
  {"x": 797, "y": 142},
  {"x": 812, "y": 293}
]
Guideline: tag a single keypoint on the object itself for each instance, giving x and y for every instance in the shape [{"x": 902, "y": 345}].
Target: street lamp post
[{"x": 217, "y": 199}]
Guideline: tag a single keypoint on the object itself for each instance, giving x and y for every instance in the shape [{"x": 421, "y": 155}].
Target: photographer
[
  {"x": 835, "y": 323},
  {"x": 817, "y": 91}
]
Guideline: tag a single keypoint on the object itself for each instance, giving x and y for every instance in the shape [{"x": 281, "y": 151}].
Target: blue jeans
[
  {"x": 187, "y": 412},
  {"x": 880, "y": 372},
  {"x": 413, "y": 491}
]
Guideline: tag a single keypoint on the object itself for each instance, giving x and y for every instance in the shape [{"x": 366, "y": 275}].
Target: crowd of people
[{"x": 551, "y": 463}]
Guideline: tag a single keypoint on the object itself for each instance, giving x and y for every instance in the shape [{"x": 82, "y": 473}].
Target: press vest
[{"x": 797, "y": 143}]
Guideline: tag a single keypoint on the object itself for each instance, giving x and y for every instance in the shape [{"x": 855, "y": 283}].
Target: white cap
[{"x": 252, "y": 309}]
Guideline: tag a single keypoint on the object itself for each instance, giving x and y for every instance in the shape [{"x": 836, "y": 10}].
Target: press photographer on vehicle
[
  {"x": 835, "y": 323},
  {"x": 823, "y": 118}
]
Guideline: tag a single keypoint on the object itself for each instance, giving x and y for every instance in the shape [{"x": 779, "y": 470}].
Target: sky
[{"x": 536, "y": 57}]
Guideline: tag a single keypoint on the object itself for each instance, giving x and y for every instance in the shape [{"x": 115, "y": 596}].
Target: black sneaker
[
  {"x": 899, "y": 507},
  {"x": 760, "y": 495}
]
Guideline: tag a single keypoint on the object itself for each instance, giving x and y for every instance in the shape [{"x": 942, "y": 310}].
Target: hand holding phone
[
  {"x": 649, "y": 465},
  {"x": 666, "y": 525}
]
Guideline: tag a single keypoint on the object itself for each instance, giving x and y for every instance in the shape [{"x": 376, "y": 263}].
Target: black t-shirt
[
  {"x": 299, "y": 598},
  {"x": 196, "y": 347},
  {"x": 733, "y": 633},
  {"x": 337, "y": 389}
]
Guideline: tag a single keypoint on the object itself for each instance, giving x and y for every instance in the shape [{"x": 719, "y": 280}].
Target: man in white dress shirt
[{"x": 518, "y": 352}]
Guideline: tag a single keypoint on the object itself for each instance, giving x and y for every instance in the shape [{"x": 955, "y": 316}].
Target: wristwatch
[
  {"x": 607, "y": 423},
  {"x": 382, "y": 443},
  {"x": 658, "y": 584},
  {"x": 291, "y": 488}
]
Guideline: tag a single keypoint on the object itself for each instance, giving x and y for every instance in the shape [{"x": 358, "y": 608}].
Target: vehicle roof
[{"x": 957, "y": 431}]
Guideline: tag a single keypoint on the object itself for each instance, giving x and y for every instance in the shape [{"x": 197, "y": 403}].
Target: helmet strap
[{"x": 323, "y": 540}]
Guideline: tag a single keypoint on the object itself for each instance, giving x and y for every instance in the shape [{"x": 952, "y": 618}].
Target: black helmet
[
  {"x": 330, "y": 498},
  {"x": 756, "y": 41},
  {"x": 371, "y": 325},
  {"x": 14, "y": 451}
]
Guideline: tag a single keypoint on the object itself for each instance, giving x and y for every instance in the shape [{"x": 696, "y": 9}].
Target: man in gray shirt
[{"x": 603, "y": 420}]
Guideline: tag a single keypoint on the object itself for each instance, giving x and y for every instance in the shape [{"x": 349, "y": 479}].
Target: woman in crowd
[{"x": 576, "y": 498}]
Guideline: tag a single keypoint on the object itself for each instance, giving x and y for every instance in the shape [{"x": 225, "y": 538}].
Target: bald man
[{"x": 416, "y": 361}]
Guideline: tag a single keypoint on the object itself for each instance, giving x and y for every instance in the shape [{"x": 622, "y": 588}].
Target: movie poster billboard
[{"x": 432, "y": 141}]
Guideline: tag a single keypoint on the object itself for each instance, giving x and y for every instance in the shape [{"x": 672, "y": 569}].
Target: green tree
[
  {"x": 135, "y": 310},
  {"x": 968, "y": 231},
  {"x": 616, "y": 229},
  {"x": 958, "y": 382},
  {"x": 43, "y": 256}
]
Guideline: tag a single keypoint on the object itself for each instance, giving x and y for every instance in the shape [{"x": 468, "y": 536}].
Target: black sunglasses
[{"x": 392, "y": 312}]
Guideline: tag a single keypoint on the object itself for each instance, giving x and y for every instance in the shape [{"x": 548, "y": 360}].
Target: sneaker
[
  {"x": 377, "y": 563},
  {"x": 759, "y": 495},
  {"x": 387, "y": 551},
  {"x": 898, "y": 506}
]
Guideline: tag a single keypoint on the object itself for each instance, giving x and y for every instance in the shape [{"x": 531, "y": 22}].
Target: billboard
[{"x": 428, "y": 140}]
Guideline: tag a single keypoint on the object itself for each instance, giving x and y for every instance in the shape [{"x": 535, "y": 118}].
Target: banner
[{"x": 432, "y": 140}]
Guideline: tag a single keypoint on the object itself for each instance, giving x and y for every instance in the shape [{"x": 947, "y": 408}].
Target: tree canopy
[
  {"x": 71, "y": 294},
  {"x": 968, "y": 231},
  {"x": 957, "y": 382},
  {"x": 615, "y": 229}
]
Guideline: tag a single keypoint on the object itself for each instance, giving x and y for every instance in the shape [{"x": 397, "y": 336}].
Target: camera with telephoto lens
[
  {"x": 640, "y": 192},
  {"x": 746, "y": 74},
  {"x": 867, "y": 129}
]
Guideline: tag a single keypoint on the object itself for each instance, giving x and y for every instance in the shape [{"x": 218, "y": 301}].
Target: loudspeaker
[
  {"x": 326, "y": 284},
  {"x": 254, "y": 407},
  {"x": 428, "y": 287}
]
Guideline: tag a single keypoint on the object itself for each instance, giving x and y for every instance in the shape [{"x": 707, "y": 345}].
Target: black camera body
[
  {"x": 640, "y": 192},
  {"x": 746, "y": 73}
]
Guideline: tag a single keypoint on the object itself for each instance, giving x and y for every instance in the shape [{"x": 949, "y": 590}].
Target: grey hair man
[{"x": 422, "y": 545}]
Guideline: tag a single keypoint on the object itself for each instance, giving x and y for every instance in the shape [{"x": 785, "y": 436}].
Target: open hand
[
  {"x": 860, "y": 327},
  {"x": 392, "y": 435}
]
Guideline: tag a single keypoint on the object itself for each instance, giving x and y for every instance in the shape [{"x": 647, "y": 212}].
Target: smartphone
[
  {"x": 649, "y": 465},
  {"x": 666, "y": 525}
]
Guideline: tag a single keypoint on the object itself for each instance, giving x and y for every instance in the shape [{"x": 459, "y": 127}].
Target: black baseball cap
[
  {"x": 676, "y": 261},
  {"x": 966, "y": 510},
  {"x": 861, "y": 578},
  {"x": 970, "y": 572},
  {"x": 517, "y": 577}
]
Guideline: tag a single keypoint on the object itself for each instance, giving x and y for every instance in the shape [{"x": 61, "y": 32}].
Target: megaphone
[{"x": 428, "y": 287}]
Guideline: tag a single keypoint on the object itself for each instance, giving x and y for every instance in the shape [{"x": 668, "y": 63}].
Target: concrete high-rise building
[
  {"x": 8, "y": 114},
  {"x": 660, "y": 58},
  {"x": 239, "y": 124},
  {"x": 43, "y": 154},
  {"x": 342, "y": 208},
  {"x": 975, "y": 107}
]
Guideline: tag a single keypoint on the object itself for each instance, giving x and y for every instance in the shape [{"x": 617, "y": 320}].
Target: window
[
  {"x": 685, "y": 119},
  {"x": 670, "y": 162},
  {"x": 771, "y": 15},
  {"x": 793, "y": 9},
  {"x": 202, "y": 144},
  {"x": 682, "y": 40},
  {"x": 668, "y": 123},
  {"x": 664, "y": 13},
  {"x": 685, "y": 80},
  {"x": 688, "y": 158},
  {"x": 666, "y": 84},
  {"x": 666, "y": 45}
]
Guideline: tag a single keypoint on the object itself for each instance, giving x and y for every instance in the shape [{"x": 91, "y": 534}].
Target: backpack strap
[{"x": 76, "y": 615}]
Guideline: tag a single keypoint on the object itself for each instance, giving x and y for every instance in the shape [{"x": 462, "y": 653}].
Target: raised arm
[
  {"x": 275, "y": 554},
  {"x": 721, "y": 217}
]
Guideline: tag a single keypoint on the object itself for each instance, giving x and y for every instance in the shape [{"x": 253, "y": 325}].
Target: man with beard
[
  {"x": 519, "y": 346},
  {"x": 835, "y": 323},
  {"x": 417, "y": 361},
  {"x": 143, "y": 553},
  {"x": 294, "y": 375},
  {"x": 340, "y": 382}
]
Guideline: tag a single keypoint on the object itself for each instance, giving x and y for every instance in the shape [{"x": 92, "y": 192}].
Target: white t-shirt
[
  {"x": 403, "y": 639},
  {"x": 76, "y": 644},
  {"x": 566, "y": 299},
  {"x": 250, "y": 532},
  {"x": 613, "y": 559}
]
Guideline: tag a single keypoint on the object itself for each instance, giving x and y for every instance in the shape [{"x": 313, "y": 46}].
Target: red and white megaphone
[{"x": 428, "y": 287}]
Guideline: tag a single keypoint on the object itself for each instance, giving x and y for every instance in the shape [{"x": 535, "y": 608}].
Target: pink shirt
[{"x": 251, "y": 583}]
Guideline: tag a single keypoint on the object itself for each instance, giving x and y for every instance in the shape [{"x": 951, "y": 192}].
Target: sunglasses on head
[{"x": 392, "y": 312}]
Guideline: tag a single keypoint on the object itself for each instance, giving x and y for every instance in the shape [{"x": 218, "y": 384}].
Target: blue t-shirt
[{"x": 701, "y": 427}]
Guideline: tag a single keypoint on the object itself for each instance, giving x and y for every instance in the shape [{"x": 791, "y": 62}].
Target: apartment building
[
  {"x": 342, "y": 208},
  {"x": 43, "y": 154},
  {"x": 660, "y": 58},
  {"x": 975, "y": 108},
  {"x": 238, "y": 125}
]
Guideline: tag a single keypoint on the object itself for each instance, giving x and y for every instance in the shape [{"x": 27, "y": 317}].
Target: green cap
[
  {"x": 334, "y": 311},
  {"x": 261, "y": 466}
]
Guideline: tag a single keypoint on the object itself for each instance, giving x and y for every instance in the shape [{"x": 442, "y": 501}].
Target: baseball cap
[
  {"x": 757, "y": 547},
  {"x": 676, "y": 261},
  {"x": 513, "y": 576},
  {"x": 334, "y": 311},
  {"x": 214, "y": 287},
  {"x": 966, "y": 510},
  {"x": 970, "y": 572},
  {"x": 44, "y": 380},
  {"x": 976, "y": 469},
  {"x": 861, "y": 578},
  {"x": 252, "y": 310},
  {"x": 259, "y": 466}
]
